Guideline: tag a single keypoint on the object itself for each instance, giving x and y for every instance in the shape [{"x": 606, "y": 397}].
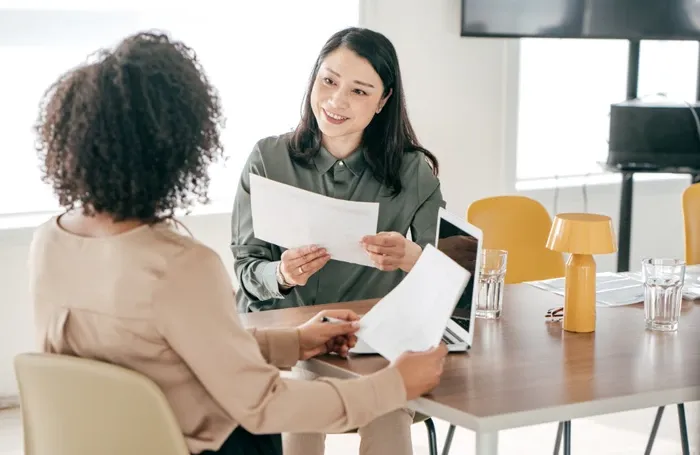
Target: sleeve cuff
[
  {"x": 283, "y": 347},
  {"x": 269, "y": 280}
]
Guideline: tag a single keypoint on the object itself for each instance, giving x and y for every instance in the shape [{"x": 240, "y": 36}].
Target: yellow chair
[
  {"x": 519, "y": 225},
  {"x": 74, "y": 406},
  {"x": 691, "y": 223}
]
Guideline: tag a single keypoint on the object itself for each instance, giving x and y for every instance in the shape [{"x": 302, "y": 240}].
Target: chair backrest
[
  {"x": 691, "y": 223},
  {"x": 519, "y": 225},
  {"x": 74, "y": 406}
]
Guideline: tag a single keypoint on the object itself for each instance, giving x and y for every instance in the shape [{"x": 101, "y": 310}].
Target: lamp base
[{"x": 579, "y": 300}]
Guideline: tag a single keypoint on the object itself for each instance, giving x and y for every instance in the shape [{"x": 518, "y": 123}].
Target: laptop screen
[{"x": 461, "y": 247}]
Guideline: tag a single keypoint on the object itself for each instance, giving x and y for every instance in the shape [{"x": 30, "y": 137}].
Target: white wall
[
  {"x": 462, "y": 96},
  {"x": 457, "y": 92}
]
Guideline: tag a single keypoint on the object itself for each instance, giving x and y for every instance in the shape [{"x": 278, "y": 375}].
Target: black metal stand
[{"x": 624, "y": 232}]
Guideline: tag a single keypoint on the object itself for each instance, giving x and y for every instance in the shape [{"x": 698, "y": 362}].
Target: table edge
[{"x": 538, "y": 416}]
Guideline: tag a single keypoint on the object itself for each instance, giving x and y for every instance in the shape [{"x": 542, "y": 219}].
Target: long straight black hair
[{"x": 389, "y": 135}]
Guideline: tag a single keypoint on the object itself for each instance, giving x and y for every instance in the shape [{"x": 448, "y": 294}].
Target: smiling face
[{"x": 346, "y": 95}]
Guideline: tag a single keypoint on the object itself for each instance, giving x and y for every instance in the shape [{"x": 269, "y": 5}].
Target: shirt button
[{"x": 341, "y": 164}]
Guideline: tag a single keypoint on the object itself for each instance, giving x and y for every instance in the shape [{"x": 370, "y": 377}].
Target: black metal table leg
[
  {"x": 557, "y": 441},
  {"x": 567, "y": 437},
  {"x": 448, "y": 440},
  {"x": 654, "y": 430},
  {"x": 684, "y": 429}
]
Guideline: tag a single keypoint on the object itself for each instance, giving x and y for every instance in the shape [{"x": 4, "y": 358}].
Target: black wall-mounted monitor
[{"x": 603, "y": 19}]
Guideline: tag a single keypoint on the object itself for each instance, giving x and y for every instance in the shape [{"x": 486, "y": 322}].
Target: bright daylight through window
[
  {"x": 567, "y": 87},
  {"x": 258, "y": 54}
]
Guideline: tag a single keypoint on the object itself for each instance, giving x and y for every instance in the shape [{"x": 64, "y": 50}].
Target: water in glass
[
  {"x": 663, "y": 293},
  {"x": 491, "y": 284}
]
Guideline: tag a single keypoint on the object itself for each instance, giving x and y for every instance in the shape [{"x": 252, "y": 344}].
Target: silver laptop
[{"x": 462, "y": 242}]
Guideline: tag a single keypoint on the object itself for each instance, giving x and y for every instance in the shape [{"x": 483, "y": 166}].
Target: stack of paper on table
[
  {"x": 290, "y": 217},
  {"x": 625, "y": 288},
  {"x": 413, "y": 316}
]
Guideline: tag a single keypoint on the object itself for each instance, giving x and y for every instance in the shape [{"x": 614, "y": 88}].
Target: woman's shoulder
[
  {"x": 188, "y": 262},
  {"x": 271, "y": 158},
  {"x": 149, "y": 249},
  {"x": 272, "y": 146},
  {"x": 418, "y": 167},
  {"x": 173, "y": 239}
]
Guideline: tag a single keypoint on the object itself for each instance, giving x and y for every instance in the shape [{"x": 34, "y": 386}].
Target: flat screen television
[{"x": 601, "y": 19}]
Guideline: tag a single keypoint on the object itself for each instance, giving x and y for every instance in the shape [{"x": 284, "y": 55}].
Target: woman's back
[{"x": 100, "y": 298}]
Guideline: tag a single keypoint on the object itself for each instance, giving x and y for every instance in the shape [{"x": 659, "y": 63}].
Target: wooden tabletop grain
[{"x": 523, "y": 370}]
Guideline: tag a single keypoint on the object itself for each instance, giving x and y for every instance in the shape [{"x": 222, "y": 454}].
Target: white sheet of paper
[
  {"x": 413, "y": 316},
  {"x": 291, "y": 217}
]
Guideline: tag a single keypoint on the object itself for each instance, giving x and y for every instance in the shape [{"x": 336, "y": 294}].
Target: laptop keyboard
[{"x": 449, "y": 337}]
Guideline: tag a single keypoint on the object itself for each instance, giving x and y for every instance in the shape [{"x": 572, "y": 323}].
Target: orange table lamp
[{"x": 581, "y": 235}]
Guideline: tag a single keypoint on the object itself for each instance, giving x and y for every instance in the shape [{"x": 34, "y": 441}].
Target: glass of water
[
  {"x": 491, "y": 281},
  {"x": 663, "y": 293}
]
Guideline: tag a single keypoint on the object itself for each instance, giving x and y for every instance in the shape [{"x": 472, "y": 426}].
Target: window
[
  {"x": 566, "y": 89},
  {"x": 259, "y": 56}
]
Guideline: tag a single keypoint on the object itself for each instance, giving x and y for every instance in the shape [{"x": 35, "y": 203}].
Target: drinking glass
[
  {"x": 663, "y": 293},
  {"x": 491, "y": 281}
]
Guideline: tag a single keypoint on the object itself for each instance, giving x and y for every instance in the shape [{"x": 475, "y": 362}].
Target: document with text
[
  {"x": 413, "y": 316},
  {"x": 291, "y": 217}
]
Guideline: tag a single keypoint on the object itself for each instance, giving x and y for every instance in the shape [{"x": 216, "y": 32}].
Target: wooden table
[{"x": 523, "y": 370}]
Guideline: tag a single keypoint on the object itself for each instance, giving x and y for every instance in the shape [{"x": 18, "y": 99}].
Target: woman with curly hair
[{"x": 125, "y": 142}]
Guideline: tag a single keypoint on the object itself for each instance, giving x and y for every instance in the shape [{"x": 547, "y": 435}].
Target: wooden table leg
[{"x": 487, "y": 443}]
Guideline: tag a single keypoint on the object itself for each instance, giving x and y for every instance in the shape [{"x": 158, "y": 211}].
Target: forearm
[
  {"x": 258, "y": 278},
  {"x": 279, "y": 347},
  {"x": 325, "y": 405}
]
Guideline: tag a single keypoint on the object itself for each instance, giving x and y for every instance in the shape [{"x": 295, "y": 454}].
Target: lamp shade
[{"x": 582, "y": 233}]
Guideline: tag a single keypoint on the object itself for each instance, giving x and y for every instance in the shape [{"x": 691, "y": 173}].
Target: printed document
[
  {"x": 290, "y": 217},
  {"x": 413, "y": 316},
  {"x": 625, "y": 288}
]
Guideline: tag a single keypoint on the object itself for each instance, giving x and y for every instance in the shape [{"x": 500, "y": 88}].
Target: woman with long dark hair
[
  {"x": 125, "y": 142},
  {"x": 354, "y": 142}
]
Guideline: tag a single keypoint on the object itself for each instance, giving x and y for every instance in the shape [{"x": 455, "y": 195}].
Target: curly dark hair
[{"x": 131, "y": 135}]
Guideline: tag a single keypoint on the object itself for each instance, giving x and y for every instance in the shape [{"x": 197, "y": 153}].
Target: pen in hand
[{"x": 333, "y": 320}]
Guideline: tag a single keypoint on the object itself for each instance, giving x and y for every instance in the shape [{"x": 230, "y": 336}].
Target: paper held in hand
[
  {"x": 413, "y": 316},
  {"x": 290, "y": 217}
]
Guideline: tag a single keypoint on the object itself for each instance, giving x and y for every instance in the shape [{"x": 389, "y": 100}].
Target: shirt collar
[{"x": 324, "y": 161}]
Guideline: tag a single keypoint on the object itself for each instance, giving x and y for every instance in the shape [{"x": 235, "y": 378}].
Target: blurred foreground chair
[{"x": 74, "y": 406}]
